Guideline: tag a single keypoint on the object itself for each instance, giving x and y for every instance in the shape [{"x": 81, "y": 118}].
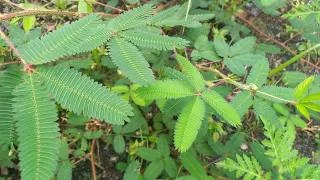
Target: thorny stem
[
  {"x": 274, "y": 40},
  {"x": 242, "y": 86}
]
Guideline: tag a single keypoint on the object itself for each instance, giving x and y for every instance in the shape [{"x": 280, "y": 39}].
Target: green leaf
[
  {"x": 149, "y": 154},
  {"x": 162, "y": 146},
  {"x": 174, "y": 106},
  {"x": 136, "y": 17},
  {"x": 282, "y": 109},
  {"x": 259, "y": 153},
  {"x": 303, "y": 88},
  {"x": 77, "y": 120},
  {"x": 93, "y": 134},
  {"x": 241, "y": 102},
  {"x": 297, "y": 121},
  {"x": 155, "y": 41},
  {"x": 246, "y": 167},
  {"x": 64, "y": 150},
  {"x": 120, "y": 89},
  {"x": 28, "y": 23},
  {"x": 315, "y": 107},
  {"x": 242, "y": 46},
  {"x": 292, "y": 79},
  {"x": 158, "y": 17},
  {"x": 130, "y": 61},
  {"x": 310, "y": 98},
  {"x": 276, "y": 94},
  {"x": 259, "y": 73},
  {"x": 186, "y": 178},
  {"x": 132, "y": 171},
  {"x": 80, "y": 36},
  {"x": 193, "y": 165},
  {"x": 221, "y": 47},
  {"x": 154, "y": 169},
  {"x": 65, "y": 171},
  {"x": 170, "y": 167},
  {"x": 35, "y": 114},
  {"x": 225, "y": 110},
  {"x": 303, "y": 110},
  {"x": 188, "y": 125},
  {"x": 9, "y": 79},
  {"x": 81, "y": 94},
  {"x": 194, "y": 76},
  {"x": 119, "y": 143},
  {"x": 85, "y": 7},
  {"x": 176, "y": 75},
  {"x": 263, "y": 110},
  {"x": 235, "y": 66},
  {"x": 165, "y": 89}
]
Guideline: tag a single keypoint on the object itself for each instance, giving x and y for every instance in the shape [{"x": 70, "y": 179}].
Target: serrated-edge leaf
[
  {"x": 155, "y": 41},
  {"x": 242, "y": 46},
  {"x": 303, "y": 88},
  {"x": 192, "y": 73},
  {"x": 130, "y": 61},
  {"x": 188, "y": 125},
  {"x": 263, "y": 109},
  {"x": 174, "y": 106},
  {"x": 235, "y": 66},
  {"x": 132, "y": 171},
  {"x": 175, "y": 74},
  {"x": 170, "y": 89},
  {"x": 259, "y": 73},
  {"x": 36, "y": 114},
  {"x": 225, "y": 110},
  {"x": 82, "y": 95},
  {"x": 163, "y": 15},
  {"x": 170, "y": 167},
  {"x": 241, "y": 102},
  {"x": 221, "y": 47}
]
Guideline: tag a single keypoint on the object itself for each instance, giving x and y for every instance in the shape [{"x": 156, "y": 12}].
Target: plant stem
[{"x": 292, "y": 60}]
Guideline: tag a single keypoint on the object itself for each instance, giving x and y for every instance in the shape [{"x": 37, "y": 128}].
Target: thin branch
[
  {"x": 14, "y": 4},
  {"x": 92, "y": 160},
  {"x": 102, "y": 4},
  {"x": 7, "y": 63},
  {"x": 49, "y": 12}
]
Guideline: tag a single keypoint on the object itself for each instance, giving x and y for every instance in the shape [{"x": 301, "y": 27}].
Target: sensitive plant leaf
[
  {"x": 188, "y": 125},
  {"x": 35, "y": 114},
  {"x": 315, "y": 107},
  {"x": 154, "y": 169},
  {"x": 186, "y": 178},
  {"x": 310, "y": 98},
  {"x": 259, "y": 73},
  {"x": 177, "y": 75},
  {"x": 235, "y": 67},
  {"x": 162, "y": 15},
  {"x": 241, "y": 102},
  {"x": 9, "y": 79},
  {"x": 259, "y": 153},
  {"x": 263, "y": 109},
  {"x": 82, "y": 95},
  {"x": 221, "y": 47},
  {"x": 242, "y": 46},
  {"x": 155, "y": 41},
  {"x": 193, "y": 165},
  {"x": 303, "y": 88},
  {"x": 282, "y": 109},
  {"x": 165, "y": 89},
  {"x": 28, "y": 23},
  {"x": 170, "y": 167},
  {"x": 244, "y": 166},
  {"x": 194, "y": 76},
  {"x": 130, "y": 61},
  {"x": 249, "y": 59},
  {"x": 174, "y": 106},
  {"x": 133, "y": 18},
  {"x": 276, "y": 94},
  {"x": 65, "y": 171},
  {"x": 225, "y": 110},
  {"x": 298, "y": 121},
  {"x": 66, "y": 41},
  {"x": 293, "y": 78},
  {"x": 132, "y": 171},
  {"x": 118, "y": 143},
  {"x": 149, "y": 154}
]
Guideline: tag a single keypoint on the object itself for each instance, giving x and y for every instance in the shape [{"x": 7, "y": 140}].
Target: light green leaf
[
  {"x": 310, "y": 98},
  {"x": 303, "y": 88},
  {"x": 242, "y": 46},
  {"x": 276, "y": 94},
  {"x": 120, "y": 89},
  {"x": 303, "y": 110},
  {"x": 259, "y": 73},
  {"x": 221, "y": 47},
  {"x": 297, "y": 121},
  {"x": 28, "y": 23},
  {"x": 241, "y": 102}
]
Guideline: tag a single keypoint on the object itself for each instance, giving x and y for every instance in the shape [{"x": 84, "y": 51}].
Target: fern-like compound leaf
[
  {"x": 162, "y": 15},
  {"x": 221, "y": 47},
  {"x": 130, "y": 61},
  {"x": 174, "y": 74},
  {"x": 194, "y": 76},
  {"x": 136, "y": 17},
  {"x": 132, "y": 171},
  {"x": 81, "y": 94},
  {"x": 276, "y": 94},
  {"x": 9, "y": 79},
  {"x": 175, "y": 106},
  {"x": 36, "y": 114},
  {"x": 259, "y": 73},
  {"x": 246, "y": 167},
  {"x": 302, "y": 89},
  {"x": 188, "y": 124},
  {"x": 155, "y": 41},
  {"x": 243, "y": 46},
  {"x": 80, "y": 36},
  {"x": 235, "y": 66},
  {"x": 263, "y": 109},
  {"x": 241, "y": 102},
  {"x": 225, "y": 110},
  {"x": 166, "y": 89}
]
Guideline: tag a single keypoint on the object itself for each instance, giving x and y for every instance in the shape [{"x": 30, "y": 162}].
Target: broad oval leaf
[
  {"x": 154, "y": 169},
  {"x": 119, "y": 143},
  {"x": 149, "y": 154},
  {"x": 193, "y": 165},
  {"x": 132, "y": 171}
]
